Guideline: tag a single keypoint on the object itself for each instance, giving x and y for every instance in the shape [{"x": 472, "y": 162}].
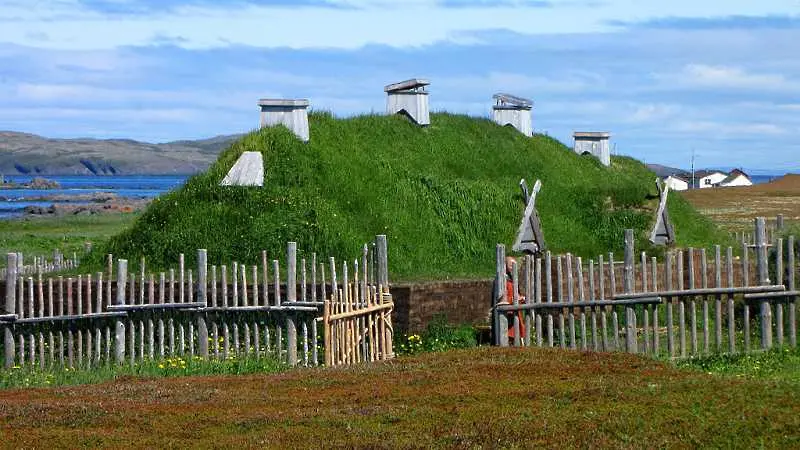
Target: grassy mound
[{"x": 444, "y": 195}]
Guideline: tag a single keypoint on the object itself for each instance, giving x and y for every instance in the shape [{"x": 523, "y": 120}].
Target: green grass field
[
  {"x": 444, "y": 195},
  {"x": 39, "y": 236}
]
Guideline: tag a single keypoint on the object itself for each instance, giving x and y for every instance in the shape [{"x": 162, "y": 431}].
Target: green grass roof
[{"x": 444, "y": 195}]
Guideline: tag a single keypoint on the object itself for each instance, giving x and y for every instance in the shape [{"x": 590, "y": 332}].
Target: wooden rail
[{"x": 690, "y": 303}]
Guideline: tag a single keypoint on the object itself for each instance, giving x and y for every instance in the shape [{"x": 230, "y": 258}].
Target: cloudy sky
[{"x": 721, "y": 78}]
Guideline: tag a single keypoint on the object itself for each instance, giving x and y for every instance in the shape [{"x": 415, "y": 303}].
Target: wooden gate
[{"x": 358, "y": 317}]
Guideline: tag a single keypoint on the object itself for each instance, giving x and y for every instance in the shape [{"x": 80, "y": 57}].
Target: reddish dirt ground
[
  {"x": 734, "y": 208},
  {"x": 485, "y": 397}
]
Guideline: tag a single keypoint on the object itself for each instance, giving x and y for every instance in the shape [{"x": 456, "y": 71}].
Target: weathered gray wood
[
  {"x": 581, "y": 298},
  {"x": 779, "y": 280},
  {"x": 248, "y": 170},
  {"x": 314, "y": 338},
  {"x": 10, "y": 308},
  {"x": 499, "y": 321},
  {"x": 791, "y": 267},
  {"x": 570, "y": 299},
  {"x": 704, "y": 271},
  {"x": 691, "y": 268},
  {"x": 762, "y": 264},
  {"x": 291, "y": 295},
  {"x": 181, "y": 278},
  {"x": 530, "y": 238},
  {"x": 612, "y": 277},
  {"x": 151, "y": 332},
  {"x": 630, "y": 314},
  {"x": 731, "y": 317},
  {"x": 548, "y": 272},
  {"x": 202, "y": 285},
  {"x": 567, "y": 304},
  {"x": 527, "y": 281},
  {"x": 718, "y": 299},
  {"x": 603, "y": 311},
  {"x": 119, "y": 340},
  {"x": 383, "y": 260},
  {"x": 681, "y": 308},
  {"x": 515, "y": 298},
  {"x": 593, "y": 297},
  {"x": 537, "y": 271},
  {"x": 645, "y": 310},
  {"x": 561, "y": 322},
  {"x": 277, "y": 298}
]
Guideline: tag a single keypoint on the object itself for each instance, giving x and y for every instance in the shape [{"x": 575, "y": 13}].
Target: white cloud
[
  {"x": 727, "y": 77},
  {"x": 727, "y": 129}
]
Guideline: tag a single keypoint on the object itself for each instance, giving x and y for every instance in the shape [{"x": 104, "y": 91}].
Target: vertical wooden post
[
  {"x": 779, "y": 222},
  {"x": 630, "y": 314},
  {"x": 11, "y": 303},
  {"x": 202, "y": 285},
  {"x": 291, "y": 296},
  {"x": 499, "y": 319},
  {"x": 515, "y": 297},
  {"x": 791, "y": 286},
  {"x": 119, "y": 337},
  {"x": 763, "y": 279},
  {"x": 383, "y": 260},
  {"x": 779, "y": 280},
  {"x": 718, "y": 300},
  {"x": 731, "y": 318}
]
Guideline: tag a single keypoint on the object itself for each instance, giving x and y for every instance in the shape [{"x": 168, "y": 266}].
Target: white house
[
  {"x": 736, "y": 178},
  {"x": 676, "y": 183},
  {"x": 709, "y": 178}
]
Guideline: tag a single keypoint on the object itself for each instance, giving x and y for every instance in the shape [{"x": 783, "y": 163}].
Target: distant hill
[
  {"x": 665, "y": 171},
  {"x": 23, "y": 153}
]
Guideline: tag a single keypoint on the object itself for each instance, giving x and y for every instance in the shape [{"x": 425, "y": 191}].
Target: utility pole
[{"x": 693, "y": 169}]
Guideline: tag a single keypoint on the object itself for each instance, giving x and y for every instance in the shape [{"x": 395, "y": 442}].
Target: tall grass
[{"x": 444, "y": 195}]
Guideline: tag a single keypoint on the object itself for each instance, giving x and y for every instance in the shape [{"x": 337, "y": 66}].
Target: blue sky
[{"x": 719, "y": 77}]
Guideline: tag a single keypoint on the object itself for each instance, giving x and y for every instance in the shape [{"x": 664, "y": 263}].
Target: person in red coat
[{"x": 510, "y": 299}]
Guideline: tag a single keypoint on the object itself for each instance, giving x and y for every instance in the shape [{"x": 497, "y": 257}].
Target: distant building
[
  {"x": 593, "y": 143},
  {"x": 718, "y": 178},
  {"x": 736, "y": 178},
  {"x": 709, "y": 178},
  {"x": 676, "y": 183}
]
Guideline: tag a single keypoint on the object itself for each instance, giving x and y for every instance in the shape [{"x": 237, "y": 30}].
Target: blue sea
[{"x": 13, "y": 201}]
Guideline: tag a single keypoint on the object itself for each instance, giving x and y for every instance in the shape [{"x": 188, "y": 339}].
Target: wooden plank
[
  {"x": 500, "y": 321},
  {"x": 561, "y": 320},
  {"x": 718, "y": 299},
  {"x": 779, "y": 280},
  {"x": 762, "y": 263},
  {"x": 681, "y": 307},
  {"x": 603, "y": 311},
  {"x": 537, "y": 279},
  {"x": 592, "y": 297},
  {"x": 291, "y": 295},
  {"x": 746, "y": 307},
  {"x": 570, "y": 299},
  {"x": 276, "y": 285},
  {"x": 630, "y": 314},
  {"x": 645, "y": 310},
  {"x": 548, "y": 278},
  {"x": 581, "y": 298},
  {"x": 515, "y": 297},
  {"x": 654, "y": 287},
  {"x": 731, "y": 316},
  {"x": 791, "y": 286},
  {"x": 706, "y": 328},
  {"x": 692, "y": 303},
  {"x": 10, "y": 308},
  {"x": 119, "y": 339}
]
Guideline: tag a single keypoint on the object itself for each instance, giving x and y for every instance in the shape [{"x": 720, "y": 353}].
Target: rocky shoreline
[{"x": 85, "y": 204}]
